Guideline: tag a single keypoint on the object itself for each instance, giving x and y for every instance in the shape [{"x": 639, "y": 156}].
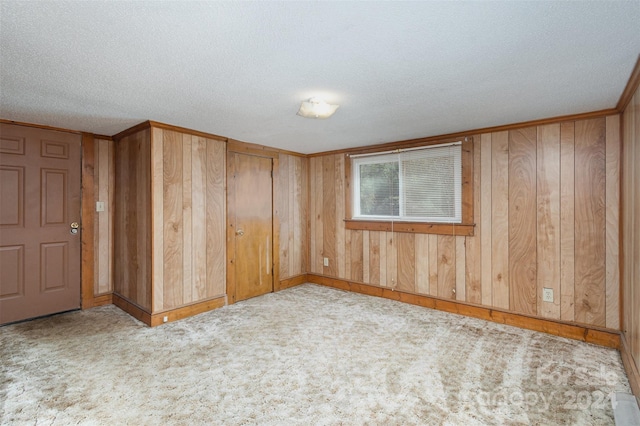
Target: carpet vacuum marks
[{"x": 309, "y": 355}]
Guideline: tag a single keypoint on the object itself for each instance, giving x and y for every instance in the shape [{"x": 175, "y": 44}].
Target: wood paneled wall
[
  {"x": 292, "y": 201},
  {"x": 104, "y": 184},
  {"x": 171, "y": 213},
  {"x": 188, "y": 218},
  {"x": 546, "y": 213},
  {"x": 132, "y": 219},
  {"x": 170, "y": 219},
  {"x": 631, "y": 231}
]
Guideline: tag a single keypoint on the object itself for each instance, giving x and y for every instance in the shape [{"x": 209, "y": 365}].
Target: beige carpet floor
[{"x": 309, "y": 355}]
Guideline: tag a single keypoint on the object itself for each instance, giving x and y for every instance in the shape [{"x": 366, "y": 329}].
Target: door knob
[
  {"x": 74, "y": 227},
  {"x": 240, "y": 232}
]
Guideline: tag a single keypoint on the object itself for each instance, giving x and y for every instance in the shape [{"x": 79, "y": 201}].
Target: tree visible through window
[{"x": 379, "y": 189}]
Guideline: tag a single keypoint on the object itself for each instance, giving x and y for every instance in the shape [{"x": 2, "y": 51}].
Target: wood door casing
[
  {"x": 39, "y": 199},
  {"x": 250, "y": 201}
]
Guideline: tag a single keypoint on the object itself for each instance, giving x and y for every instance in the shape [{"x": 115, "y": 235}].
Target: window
[
  {"x": 425, "y": 189},
  {"x": 418, "y": 184}
]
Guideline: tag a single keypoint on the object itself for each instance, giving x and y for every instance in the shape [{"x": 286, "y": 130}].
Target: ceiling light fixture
[{"x": 316, "y": 108}]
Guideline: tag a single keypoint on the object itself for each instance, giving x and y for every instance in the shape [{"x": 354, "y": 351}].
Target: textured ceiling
[{"x": 399, "y": 70}]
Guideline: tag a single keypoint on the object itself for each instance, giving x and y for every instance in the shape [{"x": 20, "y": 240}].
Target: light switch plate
[
  {"x": 547, "y": 294},
  {"x": 99, "y": 206}
]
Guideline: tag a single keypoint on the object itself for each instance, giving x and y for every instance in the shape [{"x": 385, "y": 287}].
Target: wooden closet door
[{"x": 251, "y": 222}]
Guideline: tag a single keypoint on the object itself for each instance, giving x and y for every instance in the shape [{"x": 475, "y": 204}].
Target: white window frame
[{"x": 396, "y": 156}]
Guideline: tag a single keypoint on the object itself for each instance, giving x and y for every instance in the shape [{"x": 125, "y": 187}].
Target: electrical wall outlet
[
  {"x": 165, "y": 318},
  {"x": 547, "y": 295},
  {"x": 326, "y": 261}
]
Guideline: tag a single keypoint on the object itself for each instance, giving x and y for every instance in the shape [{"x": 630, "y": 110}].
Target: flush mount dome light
[{"x": 316, "y": 108}]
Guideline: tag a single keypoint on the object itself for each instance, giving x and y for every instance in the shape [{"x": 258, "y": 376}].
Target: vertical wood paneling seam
[
  {"x": 622, "y": 215},
  {"x": 329, "y": 214},
  {"x": 111, "y": 207},
  {"x": 173, "y": 217},
  {"x": 473, "y": 265},
  {"x": 320, "y": 219},
  {"x": 292, "y": 213},
  {"x": 365, "y": 257},
  {"x": 305, "y": 205},
  {"x": 200, "y": 198},
  {"x": 157, "y": 219},
  {"x": 446, "y": 266},
  {"x": 590, "y": 235},
  {"x": 567, "y": 221},
  {"x": 633, "y": 241},
  {"x": 340, "y": 215},
  {"x": 460, "y": 275},
  {"x": 523, "y": 220},
  {"x": 392, "y": 260},
  {"x": 101, "y": 183},
  {"x": 548, "y": 217},
  {"x": 347, "y": 244},
  {"x": 500, "y": 220},
  {"x": 87, "y": 236},
  {"x": 96, "y": 223},
  {"x": 486, "y": 175},
  {"x": 297, "y": 216},
  {"x": 612, "y": 166},
  {"x": 634, "y": 225},
  {"x": 230, "y": 227},
  {"x": 187, "y": 218},
  {"x": 356, "y": 255},
  {"x": 275, "y": 227},
  {"x": 422, "y": 263},
  {"x": 312, "y": 216},
  {"x": 199, "y": 203},
  {"x": 382, "y": 256},
  {"x": 433, "y": 264},
  {"x": 283, "y": 197},
  {"x": 621, "y": 260},
  {"x": 143, "y": 239}
]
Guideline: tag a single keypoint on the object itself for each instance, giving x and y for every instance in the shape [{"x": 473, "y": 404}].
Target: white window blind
[{"x": 423, "y": 184}]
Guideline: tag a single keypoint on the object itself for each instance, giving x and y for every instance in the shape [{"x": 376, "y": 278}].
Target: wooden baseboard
[
  {"x": 132, "y": 309},
  {"x": 95, "y": 301},
  {"x": 291, "y": 282},
  {"x": 608, "y": 338},
  {"x": 187, "y": 311},
  {"x": 630, "y": 367},
  {"x": 156, "y": 319},
  {"x": 105, "y": 299}
]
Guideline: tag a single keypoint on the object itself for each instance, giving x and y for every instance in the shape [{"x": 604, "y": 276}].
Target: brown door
[
  {"x": 39, "y": 207},
  {"x": 251, "y": 225}
]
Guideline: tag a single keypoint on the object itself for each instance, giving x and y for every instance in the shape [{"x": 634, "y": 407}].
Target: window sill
[{"x": 465, "y": 230}]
